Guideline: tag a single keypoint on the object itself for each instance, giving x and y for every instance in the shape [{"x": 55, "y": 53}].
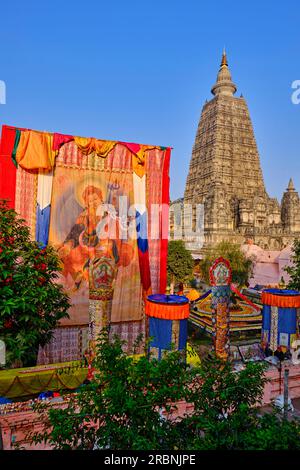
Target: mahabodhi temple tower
[{"x": 226, "y": 177}]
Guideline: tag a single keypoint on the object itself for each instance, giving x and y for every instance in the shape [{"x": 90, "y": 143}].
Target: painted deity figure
[
  {"x": 91, "y": 256},
  {"x": 83, "y": 245}
]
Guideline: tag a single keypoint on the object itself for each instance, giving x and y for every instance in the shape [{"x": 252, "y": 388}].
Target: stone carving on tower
[{"x": 225, "y": 176}]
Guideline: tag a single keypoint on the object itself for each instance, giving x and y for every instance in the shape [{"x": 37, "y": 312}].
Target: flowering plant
[{"x": 31, "y": 300}]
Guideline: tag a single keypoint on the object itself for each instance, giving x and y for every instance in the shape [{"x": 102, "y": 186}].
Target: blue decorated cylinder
[
  {"x": 279, "y": 317},
  {"x": 168, "y": 316}
]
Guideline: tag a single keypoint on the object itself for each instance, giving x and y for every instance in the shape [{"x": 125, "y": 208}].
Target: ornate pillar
[{"x": 220, "y": 279}]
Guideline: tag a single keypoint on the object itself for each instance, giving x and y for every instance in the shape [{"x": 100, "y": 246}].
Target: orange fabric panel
[
  {"x": 292, "y": 301},
  {"x": 35, "y": 151},
  {"x": 167, "y": 312},
  {"x": 193, "y": 294}
]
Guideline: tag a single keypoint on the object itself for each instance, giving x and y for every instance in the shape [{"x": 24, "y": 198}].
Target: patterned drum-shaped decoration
[
  {"x": 280, "y": 313},
  {"x": 168, "y": 316}
]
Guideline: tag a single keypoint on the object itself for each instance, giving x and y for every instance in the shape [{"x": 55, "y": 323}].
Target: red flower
[
  {"x": 11, "y": 240},
  {"x": 41, "y": 266},
  {"x": 1, "y": 250},
  {"x": 41, "y": 280},
  {"x": 8, "y": 280},
  {"x": 8, "y": 323}
]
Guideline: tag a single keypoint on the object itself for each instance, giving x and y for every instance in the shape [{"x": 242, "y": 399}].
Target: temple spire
[
  {"x": 291, "y": 186},
  {"x": 224, "y": 85}
]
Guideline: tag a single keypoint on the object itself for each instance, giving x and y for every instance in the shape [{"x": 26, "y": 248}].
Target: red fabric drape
[
  {"x": 145, "y": 271},
  {"x": 243, "y": 297},
  {"x": 165, "y": 221},
  {"x": 7, "y": 167},
  {"x": 60, "y": 139}
]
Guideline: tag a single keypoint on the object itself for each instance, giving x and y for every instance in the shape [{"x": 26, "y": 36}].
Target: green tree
[
  {"x": 228, "y": 414},
  {"x": 241, "y": 265},
  {"x": 31, "y": 302},
  {"x": 224, "y": 405},
  {"x": 271, "y": 432},
  {"x": 294, "y": 269},
  {"x": 121, "y": 408},
  {"x": 180, "y": 262}
]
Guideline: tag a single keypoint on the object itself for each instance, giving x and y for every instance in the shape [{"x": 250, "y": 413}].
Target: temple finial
[
  {"x": 291, "y": 186},
  {"x": 224, "y": 58},
  {"x": 224, "y": 85}
]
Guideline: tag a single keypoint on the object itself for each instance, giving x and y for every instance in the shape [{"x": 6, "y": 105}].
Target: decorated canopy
[
  {"x": 104, "y": 206},
  {"x": 280, "y": 312},
  {"x": 168, "y": 316},
  {"x": 168, "y": 307}
]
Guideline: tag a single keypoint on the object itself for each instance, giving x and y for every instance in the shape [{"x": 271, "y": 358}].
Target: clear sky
[{"x": 140, "y": 71}]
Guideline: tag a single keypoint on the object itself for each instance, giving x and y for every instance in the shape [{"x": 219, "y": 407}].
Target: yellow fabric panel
[
  {"x": 88, "y": 145},
  {"x": 51, "y": 153},
  {"x": 84, "y": 144},
  {"x": 139, "y": 159},
  {"x": 193, "y": 294},
  {"x": 192, "y": 357},
  {"x": 138, "y": 163},
  {"x": 18, "y": 383},
  {"x": 103, "y": 147}
]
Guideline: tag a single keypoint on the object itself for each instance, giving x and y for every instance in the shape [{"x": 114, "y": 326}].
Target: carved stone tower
[
  {"x": 225, "y": 175},
  {"x": 289, "y": 213}
]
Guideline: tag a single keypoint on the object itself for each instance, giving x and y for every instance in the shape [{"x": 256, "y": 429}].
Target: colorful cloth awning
[
  {"x": 281, "y": 298},
  {"x": 168, "y": 307}
]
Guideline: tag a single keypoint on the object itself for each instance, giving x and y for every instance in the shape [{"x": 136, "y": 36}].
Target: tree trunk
[
  {"x": 31, "y": 359},
  {"x": 172, "y": 285}
]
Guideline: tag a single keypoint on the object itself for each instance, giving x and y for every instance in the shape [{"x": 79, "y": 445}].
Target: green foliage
[
  {"x": 180, "y": 262},
  {"x": 271, "y": 432},
  {"x": 224, "y": 402},
  {"x": 294, "y": 270},
  {"x": 31, "y": 302},
  {"x": 241, "y": 265},
  {"x": 121, "y": 408}
]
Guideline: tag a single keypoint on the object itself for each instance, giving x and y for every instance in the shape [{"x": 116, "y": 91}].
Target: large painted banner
[{"x": 104, "y": 206}]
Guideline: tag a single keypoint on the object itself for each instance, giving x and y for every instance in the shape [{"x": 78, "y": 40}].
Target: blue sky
[{"x": 140, "y": 71}]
